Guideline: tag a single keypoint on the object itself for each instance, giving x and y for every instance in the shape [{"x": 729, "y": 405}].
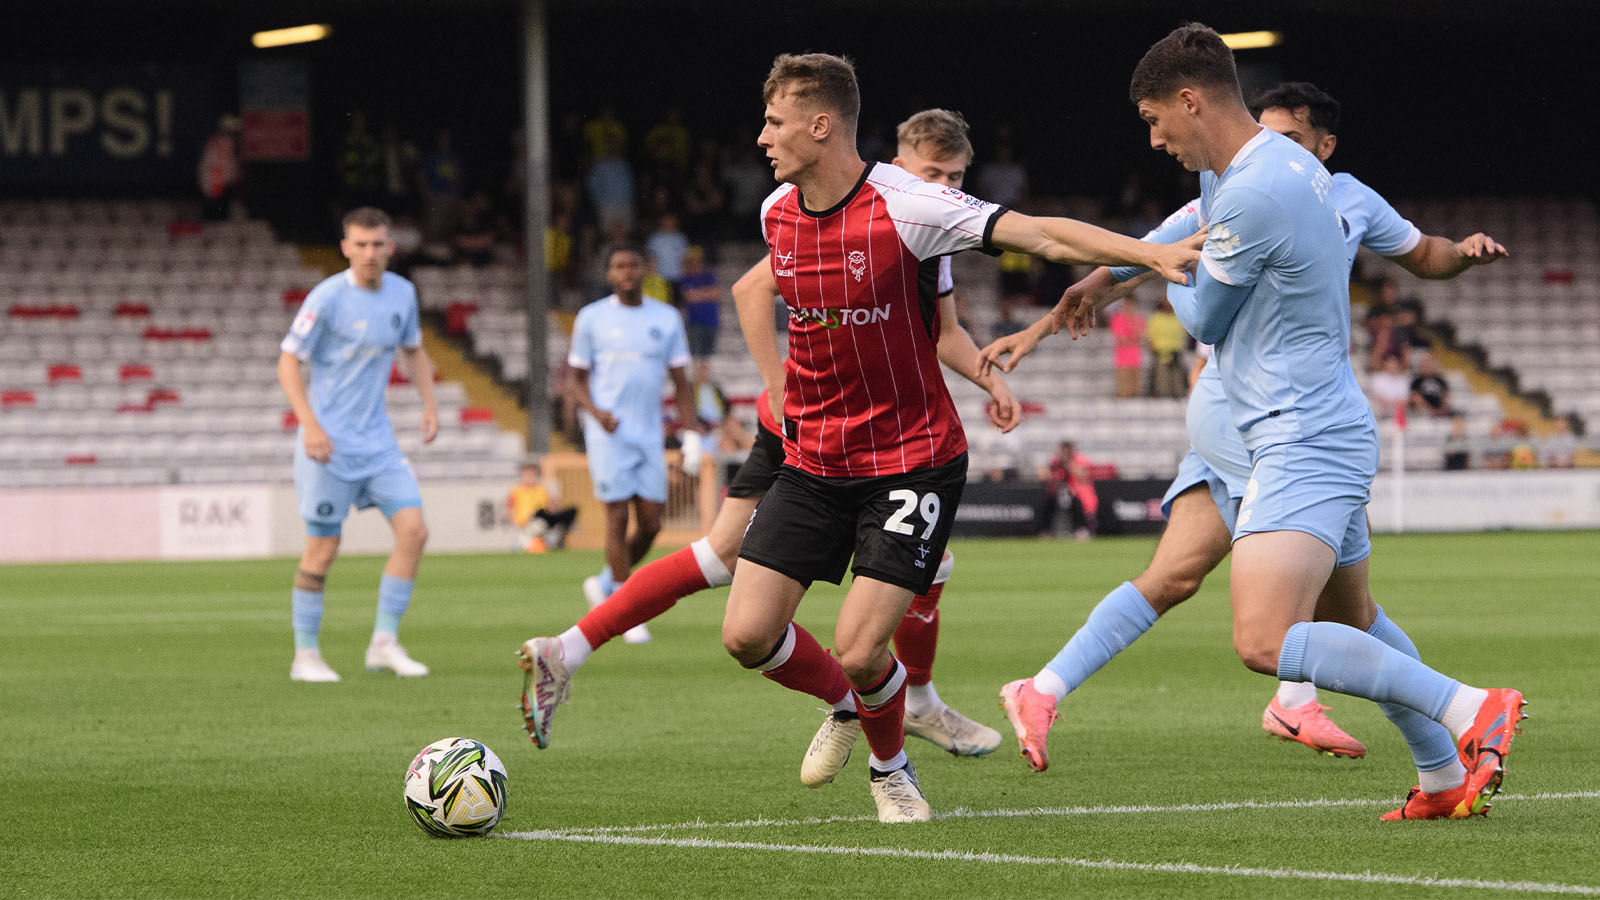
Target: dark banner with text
[{"x": 133, "y": 126}]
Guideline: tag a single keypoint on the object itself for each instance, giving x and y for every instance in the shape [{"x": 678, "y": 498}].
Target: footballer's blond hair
[{"x": 936, "y": 134}]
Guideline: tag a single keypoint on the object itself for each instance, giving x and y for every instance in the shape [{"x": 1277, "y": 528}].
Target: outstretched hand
[
  {"x": 1480, "y": 249},
  {"x": 1018, "y": 345}
]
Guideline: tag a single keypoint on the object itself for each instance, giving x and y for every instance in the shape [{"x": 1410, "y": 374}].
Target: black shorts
[
  {"x": 754, "y": 478},
  {"x": 896, "y": 526}
]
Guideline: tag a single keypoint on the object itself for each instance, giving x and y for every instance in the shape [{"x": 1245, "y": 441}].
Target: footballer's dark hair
[
  {"x": 1322, "y": 110},
  {"x": 626, "y": 247},
  {"x": 366, "y": 217},
  {"x": 942, "y": 132},
  {"x": 1193, "y": 55},
  {"x": 817, "y": 80}
]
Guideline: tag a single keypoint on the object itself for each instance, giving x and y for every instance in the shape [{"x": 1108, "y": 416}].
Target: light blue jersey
[
  {"x": 1272, "y": 293},
  {"x": 349, "y": 335},
  {"x": 627, "y": 351},
  {"x": 1216, "y": 453}
]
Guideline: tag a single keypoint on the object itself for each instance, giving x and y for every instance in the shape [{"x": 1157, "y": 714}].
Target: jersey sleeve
[
  {"x": 947, "y": 281},
  {"x": 581, "y": 354},
  {"x": 1183, "y": 222},
  {"x": 1245, "y": 231},
  {"x": 1388, "y": 232},
  {"x": 934, "y": 220},
  {"x": 677, "y": 342},
  {"x": 411, "y": 334},
  {"x": 309, "y": 324}
]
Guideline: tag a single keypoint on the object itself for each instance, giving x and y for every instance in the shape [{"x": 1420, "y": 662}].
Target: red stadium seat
[
  {"x": 82, "y": 459},
  {"x": 9, "y": 399},
  {"x": 476, "y": 415},
  {"x": 456, "y": 316},
  {"x": 294, "y": 297},
  {"x": 161, "y": 395},
  {"x": 133, "y": 310},
  {"x": 63, "y": 372},
  {"x": 183, "y": 229},
  {"x": 290, "y": 421},
  {"x": 134, "y": 372}
]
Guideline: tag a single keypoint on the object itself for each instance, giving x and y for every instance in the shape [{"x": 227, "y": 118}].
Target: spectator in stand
[
  {"x": 1457, "y": 446},
  {"x": 704, "y": 205},
  {"x": 558, "y": 253},
  {"x": 534, "y": 505},
  {"x": 666, "y": 149},
  {"x": 702, "y": 303},
  {"x": 400, "y": 162},
  {"x": 1068, "y": 480},
  {"x": 406, "y": 238},
  {"x": 1008, "y": 323},
  {"x": 1127, "y": 341},
  {"x": 360, "y": 166},
  {"x": 748, "y": 177},
  {"x": 1560, "y": 449},
  {"x": 710, "y": 403},
  {"x": 1430, "y": 393},
  {"x": 443, "y": 178},
  {"x": 1169, "y": 377},
  {"x": 1388, "y": 328},
  {"x": 1390, "y": 387},
  {"x": 610, "y": 183},
  {"x": 1016, "y": 278},
  {"x": 219, "y": 171},
  {"x": 1003, "y": 180},
  {"x": 476, "y": 236},
  {"x": 666, "y": 249},
  {"x": 604, "y": 136}
]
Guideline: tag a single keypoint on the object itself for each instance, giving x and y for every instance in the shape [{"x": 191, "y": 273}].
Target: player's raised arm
[
  {"x": 1079, "y": 243},
  {"x": 1440, "y": 257},
  {"x": 752, "y": 297}
]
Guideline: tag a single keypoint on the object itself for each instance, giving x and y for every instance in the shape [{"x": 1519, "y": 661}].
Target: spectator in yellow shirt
[
  {"x": 533, "y": 504},
  {"x": 1167, "y": 340}
]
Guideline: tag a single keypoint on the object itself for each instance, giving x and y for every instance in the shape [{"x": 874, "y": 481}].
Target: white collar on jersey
[{"x": 1250, "y": 146}]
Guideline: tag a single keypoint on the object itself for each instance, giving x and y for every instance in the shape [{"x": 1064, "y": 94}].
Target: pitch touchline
[
  {"x": 1104, "y": 864},
  {"x": 963, "y": 813}
]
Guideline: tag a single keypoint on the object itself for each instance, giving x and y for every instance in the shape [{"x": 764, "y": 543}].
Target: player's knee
[
  {"x": 1166, "y": 589},
  {"x": 1257, "y": 653},
  {"x": 744, "y": 645},
  {"x": 319, "y": 555}
]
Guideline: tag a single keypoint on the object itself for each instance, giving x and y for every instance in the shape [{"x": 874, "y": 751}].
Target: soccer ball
[{"x": 456, "y": 787}]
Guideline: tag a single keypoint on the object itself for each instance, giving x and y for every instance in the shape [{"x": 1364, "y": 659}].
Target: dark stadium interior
[{"x": 1481, "y": 100}]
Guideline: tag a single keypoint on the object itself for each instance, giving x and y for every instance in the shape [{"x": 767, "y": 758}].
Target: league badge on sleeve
[{"x": 302, "y": 323}]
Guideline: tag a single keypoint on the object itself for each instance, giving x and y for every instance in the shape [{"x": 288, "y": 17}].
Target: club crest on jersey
[{"x": 857, "y": 261}]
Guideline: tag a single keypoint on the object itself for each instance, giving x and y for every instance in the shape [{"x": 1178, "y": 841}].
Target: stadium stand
[{"x": 138, "y": 348}]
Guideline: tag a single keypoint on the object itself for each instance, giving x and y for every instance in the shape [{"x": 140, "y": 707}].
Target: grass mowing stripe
[
  {"x": 1535, "y": 887},
  {"x": 960, "y": 813}
]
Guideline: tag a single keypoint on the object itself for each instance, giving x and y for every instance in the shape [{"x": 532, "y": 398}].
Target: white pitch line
[
  {"x": 963, "y": 813},
  {"x": 1180, "y": 868}
]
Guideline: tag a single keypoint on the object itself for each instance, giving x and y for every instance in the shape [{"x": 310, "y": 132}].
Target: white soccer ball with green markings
[{"x": 456, "y": 787}]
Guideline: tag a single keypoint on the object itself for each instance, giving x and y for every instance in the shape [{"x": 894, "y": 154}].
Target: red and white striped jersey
[{"x": 863, "y": 394}]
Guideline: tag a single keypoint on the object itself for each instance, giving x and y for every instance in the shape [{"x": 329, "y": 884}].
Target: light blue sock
[
  {"x": 1343, "y": 659},
  {"x": 307, "y": 618},
  {"x": 608, "y": 582},
  {"x": 1114, "y": 623},
  {"x": 1431, "y": 745},
  {"x": 394, "y": 595}
]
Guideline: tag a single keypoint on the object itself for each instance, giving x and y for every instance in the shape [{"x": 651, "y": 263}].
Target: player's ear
[
  {"x": 1326, "y": 145},
  {"x": 821, "y": 126}
]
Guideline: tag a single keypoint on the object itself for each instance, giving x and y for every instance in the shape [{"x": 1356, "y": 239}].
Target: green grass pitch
[{"x": 155, "y": 747}]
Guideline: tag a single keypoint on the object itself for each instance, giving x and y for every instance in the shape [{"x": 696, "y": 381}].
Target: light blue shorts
[
  {"x": 325, "y": 498},
  {"x": 1192, "y": 471},
  {"x": 1319, "y": 486},
  {"x": 622, "y": 468},
  {"x": 1216, "y": 457}
]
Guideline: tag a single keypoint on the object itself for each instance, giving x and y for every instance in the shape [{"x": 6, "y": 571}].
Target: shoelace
[{"x": 902, "y": 792}]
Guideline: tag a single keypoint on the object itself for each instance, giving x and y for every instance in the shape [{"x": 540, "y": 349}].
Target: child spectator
[{"x": 533, "y": 504}]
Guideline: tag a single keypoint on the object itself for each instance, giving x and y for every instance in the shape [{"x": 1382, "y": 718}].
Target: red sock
[
  {"x": 806, "y": 667},
  {"x": 883, "y": 712},
  {"x": 918, "y": 636},
  {"x": 648, "y": 592}
]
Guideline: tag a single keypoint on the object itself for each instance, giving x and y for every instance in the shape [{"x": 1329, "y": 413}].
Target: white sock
[
  {"x": 848, "y": 704},
  {"x": 1444, "y": 778},
  {"x": 922, "y": 700},
  {"x": 1296, "y": 693},
  {"x": 574, "y": 648},
  {"x": 879, "y": 765},
  {"x": 1048, "y": 682},
  {"x": 1463, "y": 709}
]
